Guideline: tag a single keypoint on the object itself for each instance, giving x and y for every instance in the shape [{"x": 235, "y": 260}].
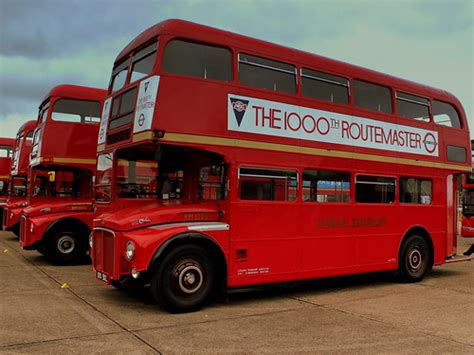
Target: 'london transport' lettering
[{"x": 246, "y": 114}]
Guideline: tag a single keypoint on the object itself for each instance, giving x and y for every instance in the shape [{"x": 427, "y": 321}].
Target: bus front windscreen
[
  {"x": 137, "y": 178},
  {"x": 18, "y": 186}
]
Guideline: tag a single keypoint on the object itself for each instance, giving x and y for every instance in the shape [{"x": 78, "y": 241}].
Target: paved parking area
[{"x": 364, "y": 314}]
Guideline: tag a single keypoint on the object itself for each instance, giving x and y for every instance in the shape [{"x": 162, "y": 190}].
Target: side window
[
  {"x": 267, "y": 184},
  {"x": 267, "y": 74},
  {"x": 445, "y": 114},
  {"x": 322, "y": 86},
  {"x": 411, "y": 106},
  {"x": 372, "y": 96},
  {"x": 375, "y": 189},
  {"x": 413, "y": 190},
  {"x": 198, "y": 60},
  {"x": 5, "y": 152},
  {"x": 211, "y": 182},
  {"x": 326, "y": 186}
]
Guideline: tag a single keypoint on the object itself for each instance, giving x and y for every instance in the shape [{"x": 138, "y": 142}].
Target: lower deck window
[
  {"x": 326, "y": 186},
  {"x": 267, "y": 184},
  {"x": 375, "y": 189},
  {"x": 413, "y": 190}
]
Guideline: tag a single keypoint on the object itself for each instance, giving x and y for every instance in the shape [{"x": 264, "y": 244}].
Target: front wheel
[
  {"x": 415, "y": 259},
  {"x": 65, "y": 247},
  {"x": 184, "y": 279}
]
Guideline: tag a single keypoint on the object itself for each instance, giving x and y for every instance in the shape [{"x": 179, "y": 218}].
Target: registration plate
[{"x": 101, "y": 276}]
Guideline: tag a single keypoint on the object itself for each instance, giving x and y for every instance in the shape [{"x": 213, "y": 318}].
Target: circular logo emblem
[
  {"x": 141, "y": 120},
  {"x": 430, "y": 142}
]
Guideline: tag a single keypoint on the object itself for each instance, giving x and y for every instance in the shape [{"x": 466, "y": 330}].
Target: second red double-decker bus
[
  {"x": 58, "y": 219},
  {"x": 267, "y": 164},
  {"x": 6, "y": 151},
  {"x": 17, "y": 187}
]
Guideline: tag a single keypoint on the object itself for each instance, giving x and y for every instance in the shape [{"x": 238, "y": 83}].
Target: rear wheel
[
  {"x": 65, "y": 247},
  {"x": 415, "y": 259},
  {"x": 184, "y": 279}
]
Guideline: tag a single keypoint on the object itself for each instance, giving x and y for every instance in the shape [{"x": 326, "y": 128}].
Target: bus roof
[
  {"x": 191, "y": 30},
  {"x": 27, "y": 126},
  {"x": 7, "y": 142},
  {"x": 76, "y": 92}
]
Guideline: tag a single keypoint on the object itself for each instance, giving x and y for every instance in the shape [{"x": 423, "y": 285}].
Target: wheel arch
[
  {"x": 193, "y": 238},
  {"x": 422, "y": 232},
  {"x": 59, "y": 223}
]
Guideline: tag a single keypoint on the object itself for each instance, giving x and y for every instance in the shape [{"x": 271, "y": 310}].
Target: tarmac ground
[{"x": 63, "y": 309}]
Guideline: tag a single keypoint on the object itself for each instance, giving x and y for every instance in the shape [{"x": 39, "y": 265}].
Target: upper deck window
[
  {"x": 323, "y": 86},
  {"x": 445, "y": 114},
  {"x": 142, "y": 62},
  {"x": 80, "y": 111},
  {"x": 119, "y": 75},
  {"x": 5, "y": 151},
  {"x": 411, "y": 106},
  {"x": 372, "y": 96},
  {"x": 267, "y": 73},
  {"x": 198, "y": 60}
]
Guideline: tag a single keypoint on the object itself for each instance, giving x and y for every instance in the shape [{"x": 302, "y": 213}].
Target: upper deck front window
[
  {"x": 79, "y": 111},
  {"x": 141, "y": 62}
]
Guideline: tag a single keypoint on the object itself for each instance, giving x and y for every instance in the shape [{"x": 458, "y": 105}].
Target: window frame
[
  {"x": 395, "y": 192},
  {"x": 391, "y": 90},
  {"x": 261, "y": 167},
  {"x": 351, "y": 186},
  {"x": 428, "y": 105},
  {"x": 297, "y": 91},
  {"x": 348, "y": 85},
  {"x": 231, "y": 50}
]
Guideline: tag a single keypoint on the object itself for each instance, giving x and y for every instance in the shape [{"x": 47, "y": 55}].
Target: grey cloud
[
  {"x": 21, "y": 94},
  {"x": 53, "y": 28}
]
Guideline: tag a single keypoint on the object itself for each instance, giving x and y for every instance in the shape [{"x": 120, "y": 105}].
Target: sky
[{"x": 51, "y": 42}]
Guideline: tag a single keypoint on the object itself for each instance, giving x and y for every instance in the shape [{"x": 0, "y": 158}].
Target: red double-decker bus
[
  {"x": 6, "y": 152},
  {"x": 58, "y": 219},
  {"x": 270, "y": 165},
  {"x": 17, "y": 185}
]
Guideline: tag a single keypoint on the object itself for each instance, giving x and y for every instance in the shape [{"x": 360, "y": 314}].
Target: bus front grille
[{"x": 103, "y": 251}]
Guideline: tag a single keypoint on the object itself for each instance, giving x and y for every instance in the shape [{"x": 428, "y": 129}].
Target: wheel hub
[
  {"x": 66, "y": 244},
  {"x": 190, "y": 277},
  {"x": 415, "y": 259}
]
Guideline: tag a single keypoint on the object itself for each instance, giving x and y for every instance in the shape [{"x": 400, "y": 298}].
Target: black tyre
[
  {"x": 184, "y": 279},
  {"x": 415, "y": 259},
  {"x": 65, "y": 247}
]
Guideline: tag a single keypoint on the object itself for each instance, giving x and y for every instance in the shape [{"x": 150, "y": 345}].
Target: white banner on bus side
[
  {"x": 104, "y": 120},
  {"x": 251, "y": 115},
  {"x": 146, "y": 102}
]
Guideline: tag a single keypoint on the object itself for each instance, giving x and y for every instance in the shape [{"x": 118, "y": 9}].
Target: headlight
[
  {"x": 32, "y": 228},
  {"x": 129, "y": 250},
  {"x": 91, "y": 240},
  {"x": 11, "y": 215}
]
